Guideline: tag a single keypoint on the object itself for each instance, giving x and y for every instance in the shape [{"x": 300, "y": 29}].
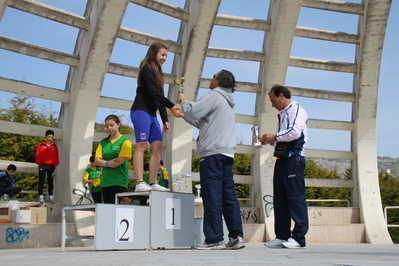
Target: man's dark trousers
[
  {"x": 219, "y": 198},
  {"x": 289, "y": 199}
]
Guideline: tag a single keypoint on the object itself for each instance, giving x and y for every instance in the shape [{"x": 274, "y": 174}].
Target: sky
[{"x": 29, "y": 28}]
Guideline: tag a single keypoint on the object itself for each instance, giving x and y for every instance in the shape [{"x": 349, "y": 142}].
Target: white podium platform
[
  {"x": 121, "y": 227},
  {"x": 116, "y": 226},
  {"x": 171, "y": 218},
  {"x": 168, "y": 222}
]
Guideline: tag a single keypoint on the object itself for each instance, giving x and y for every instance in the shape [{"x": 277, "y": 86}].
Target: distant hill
[{"x": 384, "y": 163}]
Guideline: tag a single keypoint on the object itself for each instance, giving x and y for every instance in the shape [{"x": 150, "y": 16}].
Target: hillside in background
[{"x": 384, "y": 163}]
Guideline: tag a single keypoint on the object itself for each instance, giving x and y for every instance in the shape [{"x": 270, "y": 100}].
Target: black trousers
[
  {"x": 109, "y": 193},
  {"x": 289, "y": 199},
  {"x": 10, "y": 191},
  {"x": 46, "y": 171}
]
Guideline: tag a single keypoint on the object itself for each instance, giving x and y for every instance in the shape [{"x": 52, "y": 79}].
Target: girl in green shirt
[{"x": 112, "y": 154}]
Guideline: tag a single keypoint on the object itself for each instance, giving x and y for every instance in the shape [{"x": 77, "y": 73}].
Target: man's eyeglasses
[{"x": 214, "y": 76}]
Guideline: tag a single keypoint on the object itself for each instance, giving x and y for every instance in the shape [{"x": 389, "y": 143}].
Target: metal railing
[
  {"x": 386, "y": 215},
  {"x": 28, "y": 192},
  {"x": 330, "y": 200}
]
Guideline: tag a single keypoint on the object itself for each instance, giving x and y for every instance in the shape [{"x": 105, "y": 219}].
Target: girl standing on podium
[
  {"x": 113, "y": 154},
  {"x": 150, "y": 98}
]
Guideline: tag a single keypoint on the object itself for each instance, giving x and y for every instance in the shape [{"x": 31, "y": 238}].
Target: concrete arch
[{"x": 100, "y": 27}]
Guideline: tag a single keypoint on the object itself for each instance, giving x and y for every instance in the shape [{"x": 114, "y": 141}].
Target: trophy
[
  {"x": 198, "y": 187},
  {"x": 180, "y": 81},
  {"x": 255, "y": 137},
  {"x": 187, "y": 183}
]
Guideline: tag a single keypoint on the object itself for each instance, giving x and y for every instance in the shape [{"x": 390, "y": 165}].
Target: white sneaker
[
  {"x": 235, "y": 243},
  {"x": 5, "y": 197},
  {"x": 291, "y": 243},
  {"x": 275, "y": 243},
  {"x": 41, "y": 199},
  {"x": 142, "y": 186},
  {"x": 214, "y": 246},
  {"x": 51, "y": 198},
  {"x": 157, "y": 187}
]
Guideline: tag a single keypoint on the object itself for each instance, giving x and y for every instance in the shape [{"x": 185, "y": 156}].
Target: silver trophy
[
  {"x": 198, "y": 187},
  {"x": 255, "y": 137},
  {"x": 180, "y": 82}
]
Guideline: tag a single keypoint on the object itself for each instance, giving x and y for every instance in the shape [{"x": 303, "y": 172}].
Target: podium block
[
  {"x": 172, "y": 219},
  {"x": 121, "y": 227},
  {"x": 168, "y": 222}
]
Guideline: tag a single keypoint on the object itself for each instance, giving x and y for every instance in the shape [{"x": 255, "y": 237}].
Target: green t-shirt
[
  {"x": 114, "y": 176},
  {"x": 164, "y": 175},
  {"x": 92, "y": 175},
  {"x": 146, "y": 177}
]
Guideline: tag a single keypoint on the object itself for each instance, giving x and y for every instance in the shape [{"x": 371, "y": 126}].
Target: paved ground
[{"x": 253, "y": 254}]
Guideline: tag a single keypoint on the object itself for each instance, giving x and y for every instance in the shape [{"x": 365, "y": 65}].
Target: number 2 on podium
[{"x": 124, "y": 224}]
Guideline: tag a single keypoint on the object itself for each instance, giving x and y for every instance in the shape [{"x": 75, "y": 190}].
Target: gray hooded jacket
[{"x": 213, "y": 114}]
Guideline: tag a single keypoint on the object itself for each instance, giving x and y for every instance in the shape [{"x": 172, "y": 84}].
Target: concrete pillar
[
  {"x": 372, "y": 26},
  {"x": 3, "y": 6},
  {"x": 77, "y": 118},
  {"x": 283, "y": 15},
  {"x": 194, "y": 36}
]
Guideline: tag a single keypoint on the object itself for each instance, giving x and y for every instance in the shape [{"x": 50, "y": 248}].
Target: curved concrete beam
[
  {"x": 194, "y": 36},
  {"x": 372, "y": 28},
  {"x": 283, "y": 16},
  {"x": 94, "y": 48}
]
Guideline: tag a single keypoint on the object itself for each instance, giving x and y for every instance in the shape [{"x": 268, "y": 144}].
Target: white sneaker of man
[
  {"x": 142, "y": 186},
  {"x": 214, "y": 246},
  {"x": 291, "y": 243},
  {"x": 41, "y": 198},
  {"x": 51, "y": 198},
  {"x": 235, "y": 243},
  {"x": 275, "y": 243}
]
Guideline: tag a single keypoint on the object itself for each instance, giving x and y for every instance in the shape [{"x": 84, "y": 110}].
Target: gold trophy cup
[{"x": 180, "y": 82}]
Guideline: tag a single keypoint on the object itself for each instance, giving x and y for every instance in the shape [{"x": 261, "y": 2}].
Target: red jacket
[{"x": 47, "y": 154}]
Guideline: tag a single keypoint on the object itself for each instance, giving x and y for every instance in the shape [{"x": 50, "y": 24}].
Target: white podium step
[{"x": 168, "y": 222}]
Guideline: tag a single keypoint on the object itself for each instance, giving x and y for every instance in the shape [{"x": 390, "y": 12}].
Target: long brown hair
[{"x": 150, "y": 60}]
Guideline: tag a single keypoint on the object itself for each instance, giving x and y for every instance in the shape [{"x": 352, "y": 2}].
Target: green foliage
[
  {"x": 28, "y": 182},
  {"x": 390, "y": 197},
  {"x": 195, "y": 159},
  {"x": 312, "y": 170},
  {"x": 242, "y": 165},
  {"x": 21, "y": 148},
  {"x": 24, "y": 110},
  {"x": 195, "y": 162},
  {"x": 18, "y": 148}
]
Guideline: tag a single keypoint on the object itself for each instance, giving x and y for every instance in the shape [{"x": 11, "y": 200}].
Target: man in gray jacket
[{"x": 213, "y": 114}]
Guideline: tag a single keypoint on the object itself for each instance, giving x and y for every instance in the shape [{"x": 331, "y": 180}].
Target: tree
[
  {"x": 390, "y": 197},
  {"x": 242, "y": 165},
  {"x": 313, "y": 170},
  {"x": 14, "y": 147}
]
